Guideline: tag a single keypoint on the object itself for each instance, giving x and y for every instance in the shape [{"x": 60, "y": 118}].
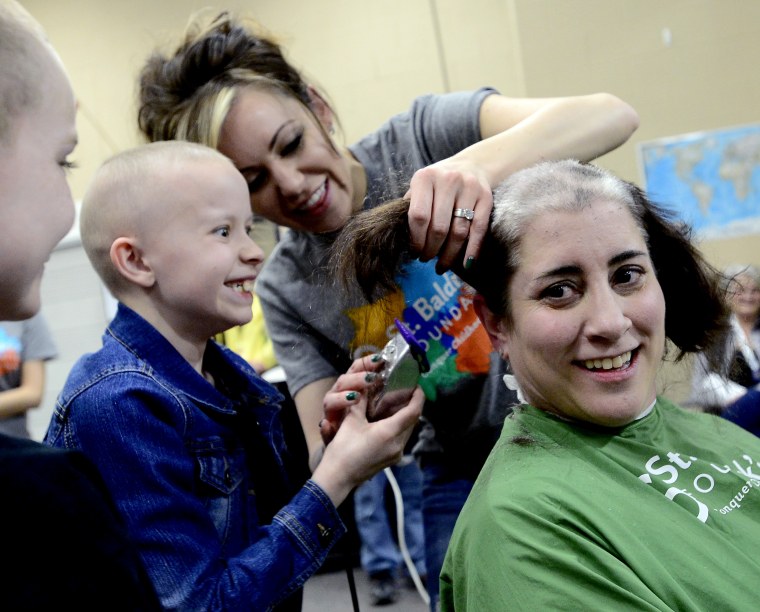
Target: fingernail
[
  {"x": 376, "y": 357},
  {"x": 351, "y": 396},
  {"x": 370, "y": 376},
  {"x": 469, "y": 262}
]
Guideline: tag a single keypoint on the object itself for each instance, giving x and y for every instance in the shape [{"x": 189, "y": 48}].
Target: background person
[
  {"x": 230, "y": 89},
  {"x": 25, "y": 346},
  {"x": 185, "y": 433},
  {"x": 63, "y": 542},
  {"x": 712, "y": 390},
  {"x": 599, "y": 494},
  {"x": 251, "y": 340},
  {"x": 734, "y": 391}
]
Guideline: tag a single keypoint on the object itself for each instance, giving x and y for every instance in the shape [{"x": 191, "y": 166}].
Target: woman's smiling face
[
  {"x": 295, "y": 176},
  {"x": 587, "y": 329}
]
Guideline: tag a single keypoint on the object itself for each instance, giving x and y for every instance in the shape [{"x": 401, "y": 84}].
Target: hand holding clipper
[{"x": 403, "y": 361}]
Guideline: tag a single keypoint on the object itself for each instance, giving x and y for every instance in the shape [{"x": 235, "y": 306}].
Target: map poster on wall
[{"x": 710, "y": 179}]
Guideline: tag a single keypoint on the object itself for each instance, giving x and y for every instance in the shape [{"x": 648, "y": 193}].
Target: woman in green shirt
[{"x": 599, "y": 494}]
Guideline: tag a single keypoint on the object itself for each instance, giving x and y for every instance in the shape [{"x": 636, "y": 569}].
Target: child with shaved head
[{"x": 186, "y": 434}]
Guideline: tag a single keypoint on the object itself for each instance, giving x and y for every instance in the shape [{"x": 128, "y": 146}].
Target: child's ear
[
  {"x": 127, "y": 258},
  {"x": 493, "y": 325}
]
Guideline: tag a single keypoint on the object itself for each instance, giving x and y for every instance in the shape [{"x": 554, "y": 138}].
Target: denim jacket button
[
  {"x": 227, "y": 477},
  {"x": 325, "y": 534}
]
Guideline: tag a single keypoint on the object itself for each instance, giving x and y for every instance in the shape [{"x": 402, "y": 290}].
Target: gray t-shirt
[
  {"x": 22, "y": 341},
  {"x": 317, "y": 329}
]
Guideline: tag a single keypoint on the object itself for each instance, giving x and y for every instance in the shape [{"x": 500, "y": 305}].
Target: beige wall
[
  {"x": 706, "y": 78},
  {"x": 373, "y": 56}
]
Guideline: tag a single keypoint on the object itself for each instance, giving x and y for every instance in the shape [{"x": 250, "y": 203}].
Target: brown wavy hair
[{"x": 186, "y": 94}]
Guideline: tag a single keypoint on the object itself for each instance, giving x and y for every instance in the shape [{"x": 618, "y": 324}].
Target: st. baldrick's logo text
[
  {"x": 691, "y": 482},
  {"x": 431, "y": 316},
  {"x": 439, "y": 309}
]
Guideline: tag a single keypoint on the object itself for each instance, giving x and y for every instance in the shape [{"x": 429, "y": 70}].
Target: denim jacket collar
[{"x": 147, "y": 343}]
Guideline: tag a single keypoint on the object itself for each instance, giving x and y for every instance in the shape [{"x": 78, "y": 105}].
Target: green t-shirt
[{"x": 662, "y": 514}]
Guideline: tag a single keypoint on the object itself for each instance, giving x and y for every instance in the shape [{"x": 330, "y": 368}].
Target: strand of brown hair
[{"x": 368, "y": 250}]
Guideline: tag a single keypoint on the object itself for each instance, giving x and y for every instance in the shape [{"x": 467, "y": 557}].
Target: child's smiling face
[{"x": 197, "y": 242}]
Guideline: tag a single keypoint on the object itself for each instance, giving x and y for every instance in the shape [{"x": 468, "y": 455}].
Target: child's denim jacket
[{"x": 197, "y": 473}]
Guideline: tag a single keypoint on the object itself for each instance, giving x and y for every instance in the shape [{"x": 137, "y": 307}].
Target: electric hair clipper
[{"x": 403, "y": 361}]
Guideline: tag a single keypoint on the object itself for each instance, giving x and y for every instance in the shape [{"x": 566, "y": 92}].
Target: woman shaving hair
[
  {"x": 231, "y": 89},
  {"x": 599, "y": 494}
]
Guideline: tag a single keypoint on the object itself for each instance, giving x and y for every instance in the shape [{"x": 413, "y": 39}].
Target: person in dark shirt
[{"x": 63, "y": 542}]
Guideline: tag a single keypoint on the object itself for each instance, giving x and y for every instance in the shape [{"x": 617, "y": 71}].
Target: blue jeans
[
  {"x": 379, "y": 550},
  {"x": 442, "y": 500}
]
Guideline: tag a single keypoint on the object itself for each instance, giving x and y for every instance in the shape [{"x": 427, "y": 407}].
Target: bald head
[
  {"x": 24, "y": 54},
  {"x": 132, "y": 195}
]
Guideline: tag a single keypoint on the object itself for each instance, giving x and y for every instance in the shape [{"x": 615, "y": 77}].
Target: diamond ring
[{"x": 464, "y": 213}]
